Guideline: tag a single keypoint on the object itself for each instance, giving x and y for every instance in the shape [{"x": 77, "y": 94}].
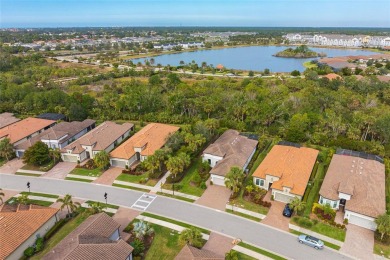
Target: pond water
[{"x": 255, "y": 58}]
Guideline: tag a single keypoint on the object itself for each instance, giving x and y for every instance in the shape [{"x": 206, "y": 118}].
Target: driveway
[
  {"x": 124, "y": 216},
  {"x": 7, "y": 195},
  {"x": 218, "y": 244},
  {"x": 215, "y": 197},
  {"x": 109, "y": 176},
  {"x": 274, "y": 217},
  {"x": 60, "y": 170},
  {"x": 12, "y": 166},
  {"x": 359, "y": 242}
]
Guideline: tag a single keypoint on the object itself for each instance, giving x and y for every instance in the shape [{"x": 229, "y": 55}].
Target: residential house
[
  {"x": 230, "y": 149},
  {"x": 21, "y": 226},
  {"x": 25, "y": 129},
  {"x": 58, "y": 136},
  {"x": 7, "y": 119},
  {"x": 142, "y": 144},
  {"x": 356, "y": 186},
  {"x": 104, "y": 137},
  {"x": 286, "y": 171},
  {"x": 52, "y": 116},
  {"x": 98, "y": 237},
  {"x": 192, "y": 253}
]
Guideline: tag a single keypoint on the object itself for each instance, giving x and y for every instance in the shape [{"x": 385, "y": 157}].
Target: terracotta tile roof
[
  {"x": 152, "y": 137},
  {"x": 100, "y": 138},
  {"x": 383, "y": 78},
  {"x": 7, "y": 119},
  {"x": 64, "y": 130},
  {"x": 91, "y": 240},
  {"x": 291, "y": 165},
  {"x": 17, "y": 227},
  {"x": 332, "y": 76},
  {"x": 364, "y": 179},
  {"x": 24, "y": 128},
  {"x": 234, "y": 148},
  {"x": 192, "y": 253}
]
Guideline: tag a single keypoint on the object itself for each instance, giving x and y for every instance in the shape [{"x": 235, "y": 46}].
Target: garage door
[
  {"x": 118, "y": 163},
  {"x": 362, "y": 222},
  {"x": 217, "y": 180},
  {"x": 69, "y": 158},
  {"x": 283, "y": 197}
]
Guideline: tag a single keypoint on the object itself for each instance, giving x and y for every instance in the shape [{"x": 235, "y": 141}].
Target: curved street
[{"x": 280, "y": 242}]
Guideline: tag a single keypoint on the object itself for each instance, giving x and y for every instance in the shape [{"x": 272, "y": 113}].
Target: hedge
[{"x": 55, "y": 228}]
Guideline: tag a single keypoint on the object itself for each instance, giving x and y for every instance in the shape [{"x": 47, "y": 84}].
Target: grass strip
[
  {"x": 77, "y": 179},
  {"x": 261, "y": 251},
  {"x": 243, "y": 215},
  {"x": 111, "y": 206},
  {"x": 40, "y": 194},
  {"x": 175, "y": 197},
  {"x": 328, "y": 244},
  {"x": 130, "y": 187},
  {"x": 146, "y": 214},
  {"x": 27, "y": 174},
  {"x": 243, "y": 256},
  {"x": 40, "y": 203}
]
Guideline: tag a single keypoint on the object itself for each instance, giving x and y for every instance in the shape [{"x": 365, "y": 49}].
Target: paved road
[{"x": 263, "y": 236}]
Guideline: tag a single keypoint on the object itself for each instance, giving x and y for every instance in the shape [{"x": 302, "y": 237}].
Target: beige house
[
  {"x": 20, "y": 227},
  {"x": 286, "y": 171},
  {"x": 357, "y": 187},
  {"x": 104, "y": 137},
  {"x": 230, "y": 149}
]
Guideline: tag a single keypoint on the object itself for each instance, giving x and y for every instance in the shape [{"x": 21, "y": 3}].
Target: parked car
[
  {"x": 287, "y": 211},
  {"x": 311, "y": 241}
]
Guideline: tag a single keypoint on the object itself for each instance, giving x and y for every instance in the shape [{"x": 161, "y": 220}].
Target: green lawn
[
  {"x": 186, "y": 181},
  {"x": 61, "y": 234},
  {"x": 243, "y": 215},
  {"x": 77, "y": 179},
  {"x": 146, "y": 214},
  {"x": 40, "y": 203},
  {"x": 309, "y": 65},
  {"x": 129, "y": 187},
  {"x": 136, "y": 179},
  {"x": 40, "y": 194},
  {"x": 43, "y": 168},
  {"x": 326, "y": 230},
  {"x": 242, "y": 256},
  {"x": 175, "y": 197},
  {"x": 165, "y": 245},
  {"x": 381, "y": 249},
  {"x": 336, "y": 247},
  {"x": 111, "y": 206},
  {"x": 85, "y": 172},
  {"x": 261, "y": 251},
  {"x": 248, "y": 205},
  {"x": 27, "y": 174}
]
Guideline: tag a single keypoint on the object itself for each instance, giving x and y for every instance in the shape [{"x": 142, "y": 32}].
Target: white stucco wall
[
  {"x": 213, "y": 159},
  {"x": 335, "y": 204},
  {"x": 344, "y": 196}
]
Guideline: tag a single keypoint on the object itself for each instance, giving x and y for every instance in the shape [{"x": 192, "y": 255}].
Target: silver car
[{"x": 311, "y": 241}]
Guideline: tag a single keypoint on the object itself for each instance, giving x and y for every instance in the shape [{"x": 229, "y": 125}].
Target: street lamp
[
  {"x": 105, "y": 196},
  {"x": 28, "y": 186}
]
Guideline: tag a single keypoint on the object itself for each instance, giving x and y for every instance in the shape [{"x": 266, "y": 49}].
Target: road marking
[{"x": 144, "y": 201}]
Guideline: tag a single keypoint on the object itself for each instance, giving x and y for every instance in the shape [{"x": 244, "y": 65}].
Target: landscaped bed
[
  {"x": 382, "y": 249},
  {"x": 87, "y": 172},
  {"x": 42, "y": 168},
  {"x": 40, "y": 194},
  {"x": 139, "y": 179}
]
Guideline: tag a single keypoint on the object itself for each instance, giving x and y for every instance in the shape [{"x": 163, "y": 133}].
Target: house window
[
  {"x": 261, "y": 182},
  {"x": 321, "y": 200},
  {"x": 209, "y": 160},
  {"x": 335, "y": 204}
]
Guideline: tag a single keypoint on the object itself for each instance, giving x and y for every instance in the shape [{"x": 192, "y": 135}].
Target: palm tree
[
  {"x": 160, "y": 155},
  {"x": 383, "y": 224},
  {"x": 55, "y": 154},
  {"x": 231, "y": 255},
  {"x": 68, "y": 203},
  {"x": 192, "y": 236},
  {"x": 234, "y": 179},
  {"x": 297, "y": 205},
  {"x": 1, "y": 196},
  {"x": 96, "y": 207},
  {"x": 102, "y": 159},
  {"x": 142, "y": 229},
  {"x": 22, "y": 199},
  {"x": 6, "y": 149},
  {"x": 151, "y": 163}
]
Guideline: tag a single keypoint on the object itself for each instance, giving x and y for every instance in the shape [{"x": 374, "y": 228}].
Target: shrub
[
  {"x": 90, "y": 165},
  {"x": 305, "y": 222},
  {"x": 203, "y": 185},
  {"x": 138, "y": 246},
  {"x": 315, "y": 221},
  {"x": 154, "y": 175},
  {"x": 211, "y": 183},
  {"x": 143, "y": 180},
  {"x": 129, "y": 228},
  {"x": 343, "y": 226},
  {"x": 39, "y": 244},
  {"x": 345, "y": 221},
  {"x": 197, "y": 179},
  {"x": 55, "y": 228},
  {"x": 29, "y": 251}
]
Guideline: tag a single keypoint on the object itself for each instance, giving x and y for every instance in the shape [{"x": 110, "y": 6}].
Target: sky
[{"x": 254, "y": 13}]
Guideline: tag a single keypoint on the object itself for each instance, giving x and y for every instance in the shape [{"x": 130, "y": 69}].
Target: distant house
[
  {"x": 25, "y": 129},
  {"x": 332, "y": 76},
  {"x": 7, "y": 119},
  {"x": 98, "y": 237},
  {"x": 142, "y": 144},
  {"x": 20, "y": 228},
  {"x": 104, "y": 137},
  {"x": 286, "y": 171},
  {"x": 356, "y": 186},
  {"x": 52, "y": 116},
  {"x": 58, "y": 136},
  {"x": 230, "y": 149}
]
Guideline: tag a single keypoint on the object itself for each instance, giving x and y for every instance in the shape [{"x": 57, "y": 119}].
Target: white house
[
  {"x": 357, "y": 187},
  {"x": 230, "y": 149}
]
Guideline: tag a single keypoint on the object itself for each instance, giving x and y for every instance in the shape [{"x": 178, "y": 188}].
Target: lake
[{"x": 255, "y": 58}]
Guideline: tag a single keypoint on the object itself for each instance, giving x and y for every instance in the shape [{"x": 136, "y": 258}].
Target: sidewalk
[
  {"x": 81, "y": 177},
  {"x": 31, "y": 171},
  {"x": 160, "y": 183},
  {"x": 250, "y": 253},
  {"x": 110, "y": 210}
]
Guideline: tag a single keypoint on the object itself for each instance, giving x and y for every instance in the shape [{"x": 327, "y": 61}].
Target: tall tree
[
  {"x": 23, "y": 199},
  {"x": 55, "y": 154},
  {"x": 383, "y": 225},
  {"x": 96, "y": 207},
  {"x": 151, "y": 163},
  {"x": 192, "y": 236},
  {"x": 234, "y": 179},
  {"x": 102, "y": 159},
  {"x": 6, "y": 149},
  {"x": 37, "y": 154},
  {"x": 68, "y": 203},
  {"x": 297, "y": 205}
]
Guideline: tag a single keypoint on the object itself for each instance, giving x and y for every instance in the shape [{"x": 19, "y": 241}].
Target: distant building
[{"x": 52, "y": 116}]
